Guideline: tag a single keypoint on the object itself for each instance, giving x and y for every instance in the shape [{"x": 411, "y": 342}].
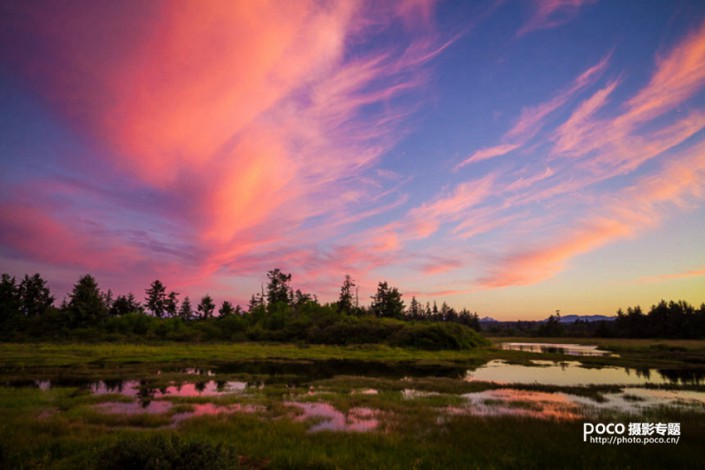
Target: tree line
[
  {"x": 278, "y": 313},
  {"x": 672, "y": 319}
]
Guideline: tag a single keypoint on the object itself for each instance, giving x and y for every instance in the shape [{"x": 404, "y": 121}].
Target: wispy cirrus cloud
[
  {"x": 627, "y": 213},
  {"x": 552, "y": 13},
  {"x": 246, "y": 144},
  {"x": 596, "y": 144},
  {"x": 670, "y": 276},
  {"x": 533, "y": 118}
]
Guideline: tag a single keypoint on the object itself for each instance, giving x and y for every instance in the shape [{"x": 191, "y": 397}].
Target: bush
[
  {"x": 437, "y": 336},
  {"x": 159, "y": 452}
]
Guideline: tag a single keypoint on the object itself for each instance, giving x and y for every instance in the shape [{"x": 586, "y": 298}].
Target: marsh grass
[
  {"x": 63, "y": 428},
  {"x": 413, "y": 436}
]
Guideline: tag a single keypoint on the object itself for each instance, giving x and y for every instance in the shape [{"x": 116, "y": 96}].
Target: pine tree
[
  {"x": 226, "y": 309},
  {"x": 185, "y": 311},
  {"x": 415, "y": 309},
  {"x": 156, "y": 298},
  {"x": 124, "y": 305},
  {"x": 345, "y": 300},
  {"x": 87, "y": 305},
  {"x": 387, "y": 302},
  {"x": 206, "y": 307},
  {"x": 9, "y": 298},
  {"x": 34, "y": 296},
  {"x": 278, "y": 289},
  {"x": 171, "y": 304}
]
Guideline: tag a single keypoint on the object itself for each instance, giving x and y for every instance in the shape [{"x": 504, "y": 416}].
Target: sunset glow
[{"x": 512, "y": 158}]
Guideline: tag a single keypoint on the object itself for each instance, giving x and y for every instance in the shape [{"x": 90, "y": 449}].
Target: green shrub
[
  {"x": 436, "y": 336},
  {"x": 160, "y": 452}
]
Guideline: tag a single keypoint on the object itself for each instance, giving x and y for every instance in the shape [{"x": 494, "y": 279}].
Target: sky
[{"x": 509, "y": 157}]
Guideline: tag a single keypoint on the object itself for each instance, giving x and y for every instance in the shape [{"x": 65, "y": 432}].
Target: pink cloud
[
  {"x": 34, "y": 233},
  {"x": 552, "y": 13},
  {"x": 633, "y": 210},
  {"x": 533, "y": 118},
  {"x": 539, "y": 264},
  {"x": 621, "y": 143},
  {"x": 438, "y": 265},
  {"x": 670, "y": 276},
  {"x": 680, "y": 72},
  {"x": 487, "y": 153},
  {"x": 246, "y": 144},
  {"x": 574, "y": 135}
]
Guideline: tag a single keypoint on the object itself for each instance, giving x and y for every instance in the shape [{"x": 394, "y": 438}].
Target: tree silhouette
[
  {"x": 9, "y": 298},
  {"x": 87, "y": 305},
  {"x": 156, "y": 298},
  {"x": 206, "y": 307},
  {"x": 124, "y": 305},
  {"x": 387, "y": 302},
  {"x": 345, "y": 300},
  {"x": 226, "y": 309},
  {"x": 34, "y": 296},
  {"x": 171, "y": 303},
  {"x": 278, "y": 289},
  {"x": 415, "y": 310},
  {"x": 186, "y": 311}
]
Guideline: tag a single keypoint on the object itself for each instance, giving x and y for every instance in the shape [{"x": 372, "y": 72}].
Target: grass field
[{"x": 62, "y": 428}]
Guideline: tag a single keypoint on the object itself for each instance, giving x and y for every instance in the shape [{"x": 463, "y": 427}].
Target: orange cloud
[
  {"x": 622, "y": 143},
  {"x": 438, "y": 265},
  {"x": 633, "y": 210},
  {"x": 249, "y": 118},
  {"x": 679, "y": 74},
  {"x": 540, "y": 264},
  {"x": 667, "y": 277}
]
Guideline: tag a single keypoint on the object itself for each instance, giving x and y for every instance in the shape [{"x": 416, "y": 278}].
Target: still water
[
  {"x": 636, "y": 390},
  {"x": 556, "y": 348},
  {"x": 572, "y": 373}
]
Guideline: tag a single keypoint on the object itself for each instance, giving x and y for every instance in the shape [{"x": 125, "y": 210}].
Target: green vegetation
[
  {"x": 404, "y": 368},
  {"x": 281, "y": 314},
  {"x": 664, "y": 320},
  {"x": 62, "y": 427}
]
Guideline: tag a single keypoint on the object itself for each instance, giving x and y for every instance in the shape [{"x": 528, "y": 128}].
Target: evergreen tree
[
  {"x": 124, "y": 305},
  {"x": 87, "y": 305},
  {"x": 301, "y": 298},
  {"x": 226, "y": 309},
  {"x": 278, "y": 289},
  {"x": 9, "y": 298},
  {"x": 256, "y": 301},
  {"x": 156, "y": 298},
  {"x": 387, "y": 302},
  {"x": 345, "y": 300},
  {"x": 206, "y": 307},
  {"x": 185, "y": 311},
  {"x": 171, "y": 304},
  {"x": 415, "y": 310},
  {"x": 108, "y": 299},
  {"x": 34, "y": 296}
]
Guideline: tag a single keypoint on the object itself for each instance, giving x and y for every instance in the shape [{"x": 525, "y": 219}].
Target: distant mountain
[
  {"x": 564, "y": 319},
  {"x": 488, "y": 320},
  {"x": 587, "y": 318}
]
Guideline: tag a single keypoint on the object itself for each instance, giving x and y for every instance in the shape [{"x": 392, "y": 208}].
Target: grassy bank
[
  {"x": 78, "y": 354},
  {"x": 62, "y": 428}
]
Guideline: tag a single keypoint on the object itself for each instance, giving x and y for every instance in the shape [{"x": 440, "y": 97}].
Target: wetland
[{"x": 284, "y": 406}]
